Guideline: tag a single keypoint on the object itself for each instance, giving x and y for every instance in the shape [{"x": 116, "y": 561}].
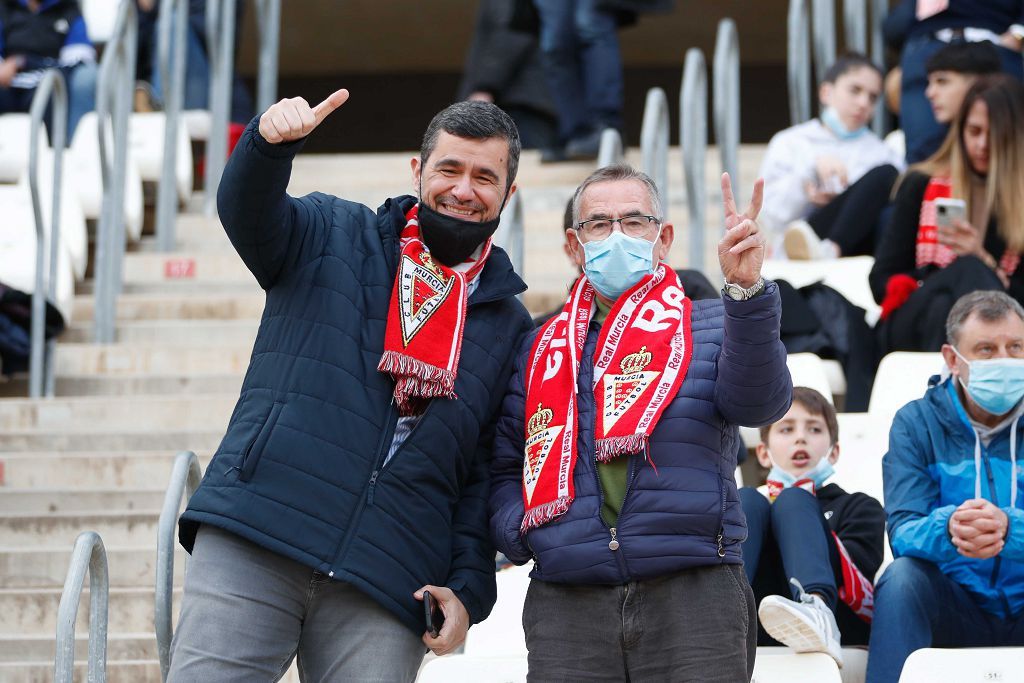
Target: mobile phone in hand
[
  {"x": 947, "y": 210},
  {"x": 432, "y": 615}
]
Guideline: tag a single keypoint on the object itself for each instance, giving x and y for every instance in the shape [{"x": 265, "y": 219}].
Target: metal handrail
[
  {"x": 855, "y": 25},
  {"x": 185, "y": 477},
  {"x": 879, "y": 10},
  {"x": 220, "y": 36},
  {"x": 798, "y": 61},
  {"x": 510, "y": 234},
  {"x": 173, "y": 35},
  {"x": 89, "y": 554},
  {"x": 654, "y": 139},
  {"x": 51, "y": 88},
  {"x": 113, "y": 102},
  {"x": 727, "y": 97},
  {"x": 824, "y": 36},
  {"x": 693, "y": 136},
  {"x": 268, "y": 18},
  {"x": 610, "y": 152}
]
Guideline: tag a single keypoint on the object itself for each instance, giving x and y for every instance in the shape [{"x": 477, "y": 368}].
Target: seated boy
[{"x": 810, "y": 540}]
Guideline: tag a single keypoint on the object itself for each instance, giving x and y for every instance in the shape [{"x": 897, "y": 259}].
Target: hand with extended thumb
[{"x": 293, "y": 118}]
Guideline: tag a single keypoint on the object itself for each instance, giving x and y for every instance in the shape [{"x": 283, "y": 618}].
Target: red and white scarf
[
  {"x": 423, "y": 338},
  {"x": 642, "y": 355}
]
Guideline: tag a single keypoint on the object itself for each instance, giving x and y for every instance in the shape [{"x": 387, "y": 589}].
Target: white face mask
[{"x": 818, "y": 474}]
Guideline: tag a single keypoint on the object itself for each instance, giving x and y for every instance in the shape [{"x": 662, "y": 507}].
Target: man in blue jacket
[
  {"x": 614, "y": 459},
  {"x": 956, "y": 522},
  {"x": 354, "y": 473}
]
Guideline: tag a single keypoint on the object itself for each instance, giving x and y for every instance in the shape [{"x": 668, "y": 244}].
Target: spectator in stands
[
  {"x": 626, "y": 406},
  {"x": 951, "y": 72},
  {"x": 919, "y": 29},
  {"x": 956, "y": 522},
  {"x": 920, "y": 269},
  {"x": 354, "y": 473},
  {"x": 503, "y": 66},
  {"x": 36, "y": 35},
  {"x": 810, "y": 539},
  {"x": 828, "y": 179}
]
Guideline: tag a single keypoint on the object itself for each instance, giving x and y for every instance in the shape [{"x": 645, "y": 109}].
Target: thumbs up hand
[{"x": 293, "y": 118}]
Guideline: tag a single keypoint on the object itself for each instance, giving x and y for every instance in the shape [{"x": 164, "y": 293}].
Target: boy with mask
[
  {"x": 614, "y": 456},
  {"x": 956, "y": 516},
  {"x": 810, "y": 539}
]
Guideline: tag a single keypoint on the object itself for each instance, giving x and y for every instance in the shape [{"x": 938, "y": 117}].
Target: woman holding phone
[{"x": 958, "y": 221}]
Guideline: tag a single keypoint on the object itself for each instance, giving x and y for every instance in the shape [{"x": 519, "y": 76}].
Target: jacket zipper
[
  {"x": 721, "y": 525},
  {"x": 384, "y": 448},
  {"x": 995, "y": 501}
]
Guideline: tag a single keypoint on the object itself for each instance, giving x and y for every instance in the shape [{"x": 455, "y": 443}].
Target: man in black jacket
[{"x": 353, "y": 477}]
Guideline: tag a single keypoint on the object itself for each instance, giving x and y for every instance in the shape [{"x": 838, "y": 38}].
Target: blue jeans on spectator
[
  {"x": 923, "y": 133},
  {"x": 579, "y": 43},
  {"x": 918, "y": 606},
  {"x": 197, "y": 72},
  {"x": 795, "y": 525},
  {"x": 81, "y": 84}
]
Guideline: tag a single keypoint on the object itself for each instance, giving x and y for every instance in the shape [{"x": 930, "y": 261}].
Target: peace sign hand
[
  {"x": 741, "y": 250},
  {"x": 293, "y": 118}
]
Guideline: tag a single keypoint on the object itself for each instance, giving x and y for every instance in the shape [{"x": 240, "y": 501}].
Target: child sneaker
[{"x": 805, "y": 626}]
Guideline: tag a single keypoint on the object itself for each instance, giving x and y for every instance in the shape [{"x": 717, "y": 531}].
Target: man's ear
[
  {"x": 414, "y": 164},
  {"x": 574, "y": 249},
  {"x": 949, "y": 356},
  {"x": 661, "y": 249},
  {"x": 761, "y": 451}
]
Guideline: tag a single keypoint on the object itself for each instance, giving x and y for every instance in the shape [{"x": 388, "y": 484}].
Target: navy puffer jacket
[
  {"x": 300, "y": 470},
  {"x": 684, "y": 514}
]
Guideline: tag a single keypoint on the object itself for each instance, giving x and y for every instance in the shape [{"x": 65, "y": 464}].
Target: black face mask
[{"x": 452, "y": 240}]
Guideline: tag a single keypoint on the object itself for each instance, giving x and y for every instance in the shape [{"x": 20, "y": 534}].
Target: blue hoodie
[{"x": 936, "y": 461}]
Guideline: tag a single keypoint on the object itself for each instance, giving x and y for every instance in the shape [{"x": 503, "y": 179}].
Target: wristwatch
[{"x": 737, "y": 293}]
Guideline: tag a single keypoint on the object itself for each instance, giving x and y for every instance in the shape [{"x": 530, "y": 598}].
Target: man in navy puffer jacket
[
  {"x": 636, "y": 532},
  {"x": 354, "y": 473}
]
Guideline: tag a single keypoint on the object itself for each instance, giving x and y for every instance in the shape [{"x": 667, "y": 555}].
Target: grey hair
[
  {"x": 615, "y": 173},
  {"x": 990, "y": 305},
  {"x": 475, "y": 120}
]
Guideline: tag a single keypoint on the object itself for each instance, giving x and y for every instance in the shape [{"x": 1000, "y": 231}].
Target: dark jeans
[
  {"x": 923, "y": 133},
  {"x": 696, "y": 625},
  {"x": 851, "y": 219},
  {"x": 579, "y": 44},
  {"x": 81, "y": 83},
  {"x": 917, "y": 606},
  {"x": 920, "y": 323}
]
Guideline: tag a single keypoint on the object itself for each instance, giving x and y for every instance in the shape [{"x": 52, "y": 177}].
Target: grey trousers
[
  {"x": 247, "y": 612},
  {"x": 699, "y": 625}
]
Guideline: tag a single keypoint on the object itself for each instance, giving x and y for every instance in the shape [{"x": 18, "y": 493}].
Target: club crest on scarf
[
  {"x": 422, "y": 288},
  {"x": 646, "y": 338}
]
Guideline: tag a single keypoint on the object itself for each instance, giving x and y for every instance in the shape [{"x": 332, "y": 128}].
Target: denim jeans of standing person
[
  {"x": 917, "y": 606},
  {"x": 923, "y": 133},
  {"x": 579, "y": 44},
  {"x": 698, "y": 625},
  {"x": 248, "y": 613},
  {"x": 81, "y": 84},
  {"x": 795, "y": 525}
]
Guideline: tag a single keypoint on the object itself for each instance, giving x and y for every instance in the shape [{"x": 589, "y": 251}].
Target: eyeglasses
[{"x": 634, "y": 226}]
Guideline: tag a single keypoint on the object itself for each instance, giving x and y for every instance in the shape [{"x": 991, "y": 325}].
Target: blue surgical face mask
[
  {"x": 617, "y": 262},
  {"x": 830, "y": 117},
  {"x": 995, "y": 384},
  {"x": 819, "y": 474}
]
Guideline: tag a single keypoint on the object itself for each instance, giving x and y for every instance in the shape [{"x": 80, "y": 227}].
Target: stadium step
[
  {"x": 167, "y": 440},
  {"x": 67, "y": 469},
  {"x": 144, "y": 359},
  {"x": 105, "y": 414},
  {"x": 47, "y": 566},
  {"x": 33, "y": 611},
  {"x": 107, "y": 385},
  {"x": 173, "y": 332}
]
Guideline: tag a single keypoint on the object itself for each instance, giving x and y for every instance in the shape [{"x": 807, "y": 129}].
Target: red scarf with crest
[
  {"x": 641, "y": 358},
  {"x": 423, "y": 338}
]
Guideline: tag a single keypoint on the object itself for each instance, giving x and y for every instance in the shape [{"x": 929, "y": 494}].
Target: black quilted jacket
[{"x": 300, "y": 470}]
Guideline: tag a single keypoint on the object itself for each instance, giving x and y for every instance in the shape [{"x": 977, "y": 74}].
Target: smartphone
[
  {"x": 432, "y": 615},
  {"x": 947, "y": 210}
]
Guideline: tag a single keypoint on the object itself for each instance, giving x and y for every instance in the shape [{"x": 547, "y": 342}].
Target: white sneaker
[
  {"x": 801, "y": 242},
  {"x": 806, "y": 626}
]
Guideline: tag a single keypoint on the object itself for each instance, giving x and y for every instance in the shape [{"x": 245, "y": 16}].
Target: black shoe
[
  {"x": 584, "y": 147},
  {"x": 552, "y": 155}
]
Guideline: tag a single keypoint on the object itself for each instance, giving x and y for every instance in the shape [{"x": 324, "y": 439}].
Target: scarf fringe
[
  {"x": 610, "y": 447},
  {"x": 542, "y": 514}
]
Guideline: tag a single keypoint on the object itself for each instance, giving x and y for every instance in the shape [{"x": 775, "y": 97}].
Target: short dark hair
[
  {"x": 614, "y": 173},
  {"x": 815, "y": 404},
  {"x": 966, "y": 58},
  {"x": 475, "y": 120},
  {"x": 847, "y": 62},
  {"x": 990, "y": 305},
  {"x": 567, "y": 216}
]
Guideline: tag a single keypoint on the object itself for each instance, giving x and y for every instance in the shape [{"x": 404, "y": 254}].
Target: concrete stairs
[{"x": 98, "y": 456}]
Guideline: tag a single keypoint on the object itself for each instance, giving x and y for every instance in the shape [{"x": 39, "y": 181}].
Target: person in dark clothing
[
  {"x": 810, "y": 539},
  {"x": 921, "y": 269},
  {"x": 36, "y": 35},
  {"x": 918, "y": 34},
  {"x": 615, "y": 453},
  {"x": 503, "y": 66},
  {"x": 354, "y": 473}
]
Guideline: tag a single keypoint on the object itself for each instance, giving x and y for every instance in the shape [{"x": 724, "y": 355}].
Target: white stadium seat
[
  {"x": 964, "y": 665},
  {"x": 807, "y": 370},
  {"x": 855, "y": 663},
  {"x": 782, "y": 665},
  {"x": 73, "y": 232},
  {"x": 501, "y": 634},
  {"x": 14, "y": 144},
  {"x": 863, "y": 440},
  {"x": 469, "y": 669},
  {"x": 902, "y": 377},
  {"x": 198, "y": 123},
  {"x": 100, "y": 17},
  {"x": 146, "y": 147}
]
